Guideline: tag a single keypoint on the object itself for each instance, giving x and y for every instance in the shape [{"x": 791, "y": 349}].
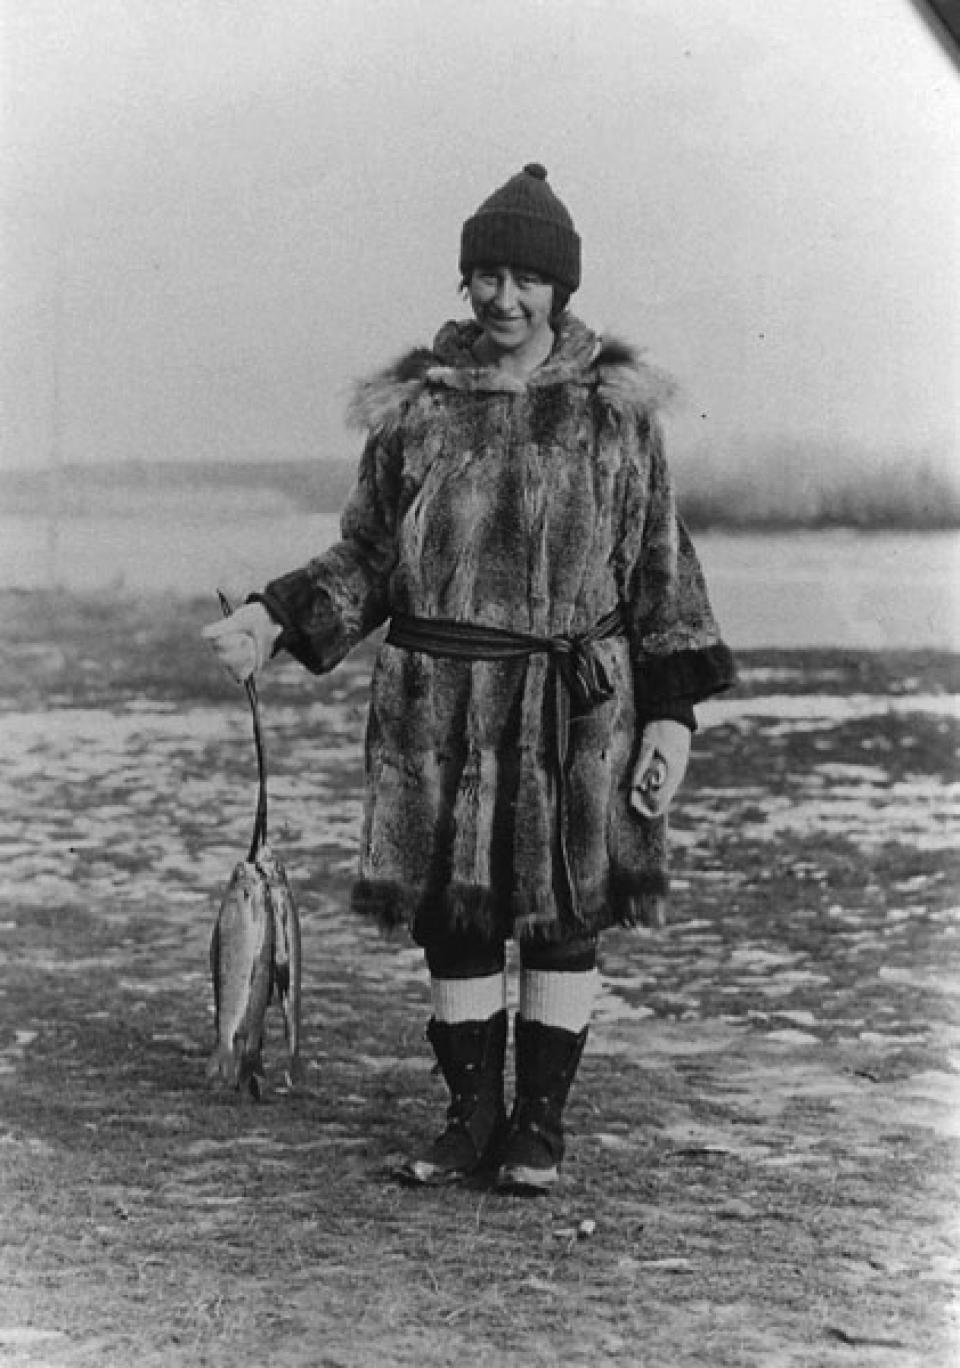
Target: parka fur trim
[
  {"x": 683, "y": 675},
  {"x": 536, "y": 508},
  {"x": 615, "y": 371},
  {"x": 630, "y": 899}
]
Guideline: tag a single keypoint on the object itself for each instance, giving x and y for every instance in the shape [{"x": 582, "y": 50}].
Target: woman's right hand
[{"x": 244, "y": 641}]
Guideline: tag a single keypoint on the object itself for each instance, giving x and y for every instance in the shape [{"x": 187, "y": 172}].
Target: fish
[
  {"x": 255, "y": 951},
  {"x": 242, "y": 967},
  {"x": 286, "y": 975}
]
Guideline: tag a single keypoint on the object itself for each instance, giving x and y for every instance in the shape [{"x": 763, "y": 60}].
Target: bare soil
[{"x": 762, "y": 1164}]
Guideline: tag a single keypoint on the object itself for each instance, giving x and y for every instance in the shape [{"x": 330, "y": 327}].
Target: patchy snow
[
  {"x": 862, "y": 774},
  {"x": 923, "y": 812},
  {"x": 825, "y": 708},
  {"x": 610, "y": 1007},
  {"x": 88, "y": 795}
]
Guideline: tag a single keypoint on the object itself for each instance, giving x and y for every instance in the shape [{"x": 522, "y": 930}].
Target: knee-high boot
[
  {"x": 547, "y": 1062},
  {"x": 471, "y": 1058}
]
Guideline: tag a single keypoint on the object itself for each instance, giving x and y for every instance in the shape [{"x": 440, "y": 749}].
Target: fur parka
[{"x": 538, "y": 507}]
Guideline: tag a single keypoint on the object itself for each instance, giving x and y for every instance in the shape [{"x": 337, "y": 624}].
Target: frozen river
[{"x": 862, "y": 590}]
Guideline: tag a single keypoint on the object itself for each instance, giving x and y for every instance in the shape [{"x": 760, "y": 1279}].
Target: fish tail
[
  {"x": 223, "y": 1064},
  {"x": 250, "y": 1077}
]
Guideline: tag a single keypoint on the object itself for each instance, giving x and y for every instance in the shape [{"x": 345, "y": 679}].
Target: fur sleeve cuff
[
  {"x": 663, "y": 681},
  {"x": 310, "y": 628}
]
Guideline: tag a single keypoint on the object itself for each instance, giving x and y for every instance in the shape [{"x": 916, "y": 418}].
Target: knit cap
[{"x": 523, "y": 224}]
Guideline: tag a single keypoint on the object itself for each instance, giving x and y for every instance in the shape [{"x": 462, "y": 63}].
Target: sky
[{"x": 216, "y": 214}]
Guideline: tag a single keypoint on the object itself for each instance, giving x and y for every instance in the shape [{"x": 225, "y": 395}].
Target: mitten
[
  {"x": 244, "y": 641},
  {"x": 660, "y": 766}
]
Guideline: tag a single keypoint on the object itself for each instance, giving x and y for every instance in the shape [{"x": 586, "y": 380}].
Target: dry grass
[{"x": 795, "y": 485}]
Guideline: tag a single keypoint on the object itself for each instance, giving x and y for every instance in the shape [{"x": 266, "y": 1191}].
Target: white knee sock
[
  {"x": 564, "y": 1000},
  {"x": 471, "y": 999}
]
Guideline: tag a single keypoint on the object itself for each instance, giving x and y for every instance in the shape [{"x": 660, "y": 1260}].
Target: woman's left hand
[{"x": 660, "y": 766}]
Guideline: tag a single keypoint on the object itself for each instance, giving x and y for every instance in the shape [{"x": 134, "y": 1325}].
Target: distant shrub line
[
  {"x": 788, "y": 486},
  {"x": 870, "y": 508}
]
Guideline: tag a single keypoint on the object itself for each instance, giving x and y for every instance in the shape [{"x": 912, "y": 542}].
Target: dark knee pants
[{"x": 459, "y": 958}]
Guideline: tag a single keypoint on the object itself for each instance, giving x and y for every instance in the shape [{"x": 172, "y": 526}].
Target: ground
[{"x": 762, "y": 1165}]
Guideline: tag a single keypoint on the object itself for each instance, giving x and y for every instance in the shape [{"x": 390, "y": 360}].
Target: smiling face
[{"x": 513, "y": 307}]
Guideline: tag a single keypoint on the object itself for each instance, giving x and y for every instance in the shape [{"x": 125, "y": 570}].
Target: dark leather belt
[{"x": 581, "y": 678}]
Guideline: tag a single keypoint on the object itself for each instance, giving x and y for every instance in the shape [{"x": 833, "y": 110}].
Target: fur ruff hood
[{"x": 617, "y": 372}]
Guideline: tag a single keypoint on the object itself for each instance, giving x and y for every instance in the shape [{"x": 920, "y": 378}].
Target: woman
[{"x": 532, "y": 704}]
